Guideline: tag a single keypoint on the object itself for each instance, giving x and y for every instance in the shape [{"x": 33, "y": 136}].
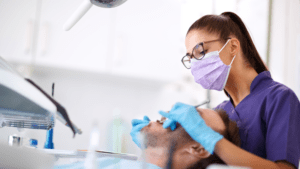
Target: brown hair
[
  {"x": 180, "y": 137},
  {"x": 231, "y": 134},
  {"x": 226, "y": 24}
]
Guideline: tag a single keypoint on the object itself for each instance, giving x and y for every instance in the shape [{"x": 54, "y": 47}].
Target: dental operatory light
[{"x": 85, "y": 6}]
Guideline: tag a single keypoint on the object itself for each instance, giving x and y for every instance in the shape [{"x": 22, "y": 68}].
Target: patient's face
[{"x": 158, "y": 137}]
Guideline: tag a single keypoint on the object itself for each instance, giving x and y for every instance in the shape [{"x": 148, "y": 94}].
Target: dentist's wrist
[{"x": 206, "y": 136}]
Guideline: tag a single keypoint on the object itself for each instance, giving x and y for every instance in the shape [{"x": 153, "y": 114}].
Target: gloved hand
[
  {"x": 169, "y": 122},
  {"x": 188, "y": 117},
  {"x": 137, "y": 126}
]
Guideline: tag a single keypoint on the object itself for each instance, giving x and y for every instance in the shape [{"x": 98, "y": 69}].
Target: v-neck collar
[
  {"x": 256, "y": 85},
  {"x": 260, "y": 81}
]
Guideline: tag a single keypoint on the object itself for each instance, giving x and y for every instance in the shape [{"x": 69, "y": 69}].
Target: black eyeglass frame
[{"x": 200, "y": 43}]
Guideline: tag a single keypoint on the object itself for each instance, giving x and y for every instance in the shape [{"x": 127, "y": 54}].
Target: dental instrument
[
  {"x": 203, "y": 103},
  {"x": 49, "y": 139},
  {"x": 163, "y": 119}
]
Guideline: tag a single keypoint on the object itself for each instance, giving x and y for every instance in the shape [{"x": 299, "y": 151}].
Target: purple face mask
[{"x": 210, "y": 72}]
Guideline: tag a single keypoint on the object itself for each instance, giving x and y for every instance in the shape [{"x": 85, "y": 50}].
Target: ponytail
[
  {"x": 226, "y": 24},
  {"x": 248, "y": 46}
]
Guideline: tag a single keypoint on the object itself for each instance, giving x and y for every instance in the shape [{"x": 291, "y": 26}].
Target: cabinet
[
  {"x": 17, "y": 22},
  {"x": 139, "y": 39},
  {"x": 147, "y": 39},
  {"x": 83, "y": 47}
]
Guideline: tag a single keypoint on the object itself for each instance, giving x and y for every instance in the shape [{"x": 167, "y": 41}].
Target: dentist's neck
[{"x": 239, "y": 80}]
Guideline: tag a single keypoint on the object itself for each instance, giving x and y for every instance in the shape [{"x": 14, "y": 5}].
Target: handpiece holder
[{"x": 25, "y": 105}]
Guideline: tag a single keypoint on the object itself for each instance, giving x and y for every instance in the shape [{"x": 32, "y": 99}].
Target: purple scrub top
[{"x": 268, "y": 119}]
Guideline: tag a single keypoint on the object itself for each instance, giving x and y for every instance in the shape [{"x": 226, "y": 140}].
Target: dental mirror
[
  {"x": 163, "y": 119},
  {"x": 203, "y": 103},
  {"x": 85, "y": 6}
]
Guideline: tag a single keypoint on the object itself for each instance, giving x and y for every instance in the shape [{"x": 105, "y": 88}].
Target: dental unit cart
[{"x": 25, "y": 105}]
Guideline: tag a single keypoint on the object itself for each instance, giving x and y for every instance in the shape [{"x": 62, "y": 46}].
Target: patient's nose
[{"x": 162, "y": 120}]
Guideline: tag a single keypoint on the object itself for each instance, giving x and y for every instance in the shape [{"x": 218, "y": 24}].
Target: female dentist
[{"x": 222, "y": 56}]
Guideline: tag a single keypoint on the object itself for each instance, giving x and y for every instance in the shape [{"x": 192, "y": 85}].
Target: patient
[{"x": 186, "y": 153}]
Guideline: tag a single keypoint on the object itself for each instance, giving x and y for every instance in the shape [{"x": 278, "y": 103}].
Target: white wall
[{"x": 284, "y": 59}]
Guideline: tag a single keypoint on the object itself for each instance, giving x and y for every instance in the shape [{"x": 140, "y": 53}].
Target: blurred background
[{"x": 123, "y": 63}]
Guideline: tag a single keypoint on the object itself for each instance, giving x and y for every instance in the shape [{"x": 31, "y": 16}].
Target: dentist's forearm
[{"x": 233, "y": 155}]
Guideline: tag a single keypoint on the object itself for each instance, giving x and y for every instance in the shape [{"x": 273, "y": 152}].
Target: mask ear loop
[
  {"x": 232, "y": 60},
  {"x": 224, "y": 46},
  {"x": 228, "y": 75}
]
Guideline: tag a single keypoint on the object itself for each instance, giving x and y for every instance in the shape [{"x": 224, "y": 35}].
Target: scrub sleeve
[{"x": 268, "y": 120}]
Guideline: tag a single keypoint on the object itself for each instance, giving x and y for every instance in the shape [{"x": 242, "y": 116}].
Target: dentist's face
[{"x": 194, "y": 37}]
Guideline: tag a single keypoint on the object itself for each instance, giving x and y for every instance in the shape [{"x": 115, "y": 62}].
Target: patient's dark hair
[
  {"x": 180, "y": 137},
  {"x": 231, "y": 134}
]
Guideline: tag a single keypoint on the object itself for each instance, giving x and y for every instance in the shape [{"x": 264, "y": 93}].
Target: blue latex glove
[
  {"x": 188, "y": 117},
  {"x": 137, "y": 126},
  {"x": 169, "y": 122}
]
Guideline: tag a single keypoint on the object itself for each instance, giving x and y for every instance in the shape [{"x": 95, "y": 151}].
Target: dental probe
[
  {"x": 163, "y": 119},
  {"x": 203, "y": 103}
]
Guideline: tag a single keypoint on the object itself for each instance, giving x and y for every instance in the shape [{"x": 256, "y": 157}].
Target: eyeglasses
[{"x": 198, "y": 53}]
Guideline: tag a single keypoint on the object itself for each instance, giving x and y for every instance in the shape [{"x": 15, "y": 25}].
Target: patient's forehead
[{"x": 212, "y": 119}]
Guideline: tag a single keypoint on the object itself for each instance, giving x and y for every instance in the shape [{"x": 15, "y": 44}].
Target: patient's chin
[
  {"x": 151, "y": 140},
  {"x": 154, "y": 139}
]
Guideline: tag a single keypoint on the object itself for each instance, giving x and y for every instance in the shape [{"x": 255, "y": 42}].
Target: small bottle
[
  {"x": 117, "y": 131},
  {"x": 91, "y": 157},
  {"x": 14, "y": 140},
  {"x": 49, "y": 140},
  {"x": 29, "y": 142},
  {"x": 33, "y": 143}
]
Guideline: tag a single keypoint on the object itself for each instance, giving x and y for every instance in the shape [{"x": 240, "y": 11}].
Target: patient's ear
[{"x": 197, "y": 150}]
